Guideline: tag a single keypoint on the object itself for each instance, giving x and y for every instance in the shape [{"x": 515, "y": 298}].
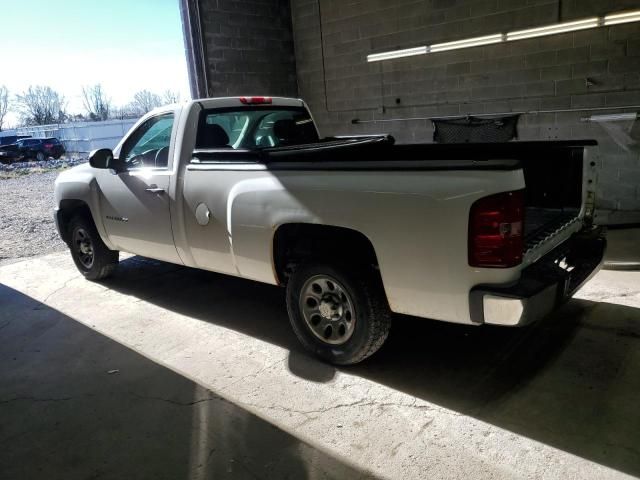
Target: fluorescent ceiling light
[
  {"x": 616, "y": 117},
  {"x": 611, "y": 19},
  {"x": 553, "y": 29},
  {"x": 617, "y": 18},
  {"x": 407, "y": 52},
  {"x": 469, "y": 42}
]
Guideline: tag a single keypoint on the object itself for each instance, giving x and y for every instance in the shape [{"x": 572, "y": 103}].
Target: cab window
[
  {"x": 255, "y": 128},
  {"x": 148, "y": 146}
]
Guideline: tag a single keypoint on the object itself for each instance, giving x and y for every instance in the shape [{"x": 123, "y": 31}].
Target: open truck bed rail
[{"x": 380, "y": 153}]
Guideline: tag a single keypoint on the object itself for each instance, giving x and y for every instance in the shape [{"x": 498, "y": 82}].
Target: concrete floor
[
  {"x": 75, "y": 404},
  {"x": 212, "y": 383},
  {"x": 623, "y": 248}
]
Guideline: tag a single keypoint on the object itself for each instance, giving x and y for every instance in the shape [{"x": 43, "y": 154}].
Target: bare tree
[
  {"x": 144, "y": 101},
  {"x": 41, "y": 105},
  {"x": 4, "y": 104},
  {"x": 96, "y": 102},
  {"x": 171, "y": 96},
  {"x": 126, "y": 111}
]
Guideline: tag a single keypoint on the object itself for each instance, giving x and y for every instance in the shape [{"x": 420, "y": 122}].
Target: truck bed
[{"x": 553, "y": 170}]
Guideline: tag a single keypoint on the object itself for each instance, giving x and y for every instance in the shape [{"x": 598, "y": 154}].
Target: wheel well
[
  {"x": 294, "y": 243},
  {"x": 69, "y": 209}
]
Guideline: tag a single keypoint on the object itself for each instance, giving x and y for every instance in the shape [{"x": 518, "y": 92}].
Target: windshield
[{"x": 255, "y": 128}]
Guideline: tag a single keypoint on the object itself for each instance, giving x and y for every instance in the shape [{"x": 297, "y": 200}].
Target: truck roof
[
  {"x": 225, "y": 102},
  {"x": 228, "y": 102}
]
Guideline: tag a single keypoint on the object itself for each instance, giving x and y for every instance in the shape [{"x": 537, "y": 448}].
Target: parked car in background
[
  {"x": 39, "y": 148},
  {"x": 9, "y": 153},
  {"x": 9, "y": 139}
]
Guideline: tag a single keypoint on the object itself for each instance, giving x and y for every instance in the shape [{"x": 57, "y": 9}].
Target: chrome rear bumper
[{"x": 543, "y": 286}]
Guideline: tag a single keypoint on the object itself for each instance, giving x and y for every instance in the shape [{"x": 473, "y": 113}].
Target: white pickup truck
[{"x": 354, "y": 227}]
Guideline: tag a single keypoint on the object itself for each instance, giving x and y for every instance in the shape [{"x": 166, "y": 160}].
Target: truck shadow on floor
[
  {"x": 78, "y": 405},
  {"x": 571, "y": 381}
]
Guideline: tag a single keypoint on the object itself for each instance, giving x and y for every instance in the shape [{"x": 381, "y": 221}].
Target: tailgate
[{"x": 559, "y": 195}]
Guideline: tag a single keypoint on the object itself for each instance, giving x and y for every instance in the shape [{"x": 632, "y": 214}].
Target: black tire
[
  {"x": 371, "y": 316},
  {"x": 57, "y": 157},
  {"x": 40, "y": 156},
  {"x": 85, "y": 242}
]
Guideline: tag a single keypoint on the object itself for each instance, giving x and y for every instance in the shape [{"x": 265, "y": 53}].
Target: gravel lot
[{"x": 26, "y": 220}]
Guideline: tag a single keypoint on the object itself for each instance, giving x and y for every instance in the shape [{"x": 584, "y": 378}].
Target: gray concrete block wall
[
  {"x": 248, "y": 47},
  {"x": 587, "y": 69}
]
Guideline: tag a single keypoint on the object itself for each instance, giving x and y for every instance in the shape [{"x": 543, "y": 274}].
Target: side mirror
[{"x": 102, "y": 158}]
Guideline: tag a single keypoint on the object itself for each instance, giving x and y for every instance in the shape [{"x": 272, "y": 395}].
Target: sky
[{"x": 125, "y": 45}]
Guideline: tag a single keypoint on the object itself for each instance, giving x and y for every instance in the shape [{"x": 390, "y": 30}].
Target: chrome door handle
[{"x": 154, "y": 190}]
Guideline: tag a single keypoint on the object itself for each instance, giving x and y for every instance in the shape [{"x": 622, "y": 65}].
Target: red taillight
[
  {"x": 495, "y": 230},
  {"x": 48, "y": 145},
  {"x": 256, "y": 100}
]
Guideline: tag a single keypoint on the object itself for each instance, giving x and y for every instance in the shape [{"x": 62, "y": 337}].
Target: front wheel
[
  {"x": 41, "y": 157},
  {"x": 92, "y": 257},
  {"x": 339, "y": 314}
]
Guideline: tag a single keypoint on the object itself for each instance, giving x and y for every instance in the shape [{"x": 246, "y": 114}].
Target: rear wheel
[
  {"x": 92, "y": 257},
  {"x": 339, "y": 314}
]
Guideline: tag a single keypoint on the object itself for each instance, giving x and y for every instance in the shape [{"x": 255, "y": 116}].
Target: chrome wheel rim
[
  {"x": 84, "y": 247},
  {"x": 327, "y": 309}
]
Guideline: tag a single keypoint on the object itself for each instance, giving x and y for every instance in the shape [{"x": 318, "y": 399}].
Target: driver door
[{"x": 135, "y": 202}]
